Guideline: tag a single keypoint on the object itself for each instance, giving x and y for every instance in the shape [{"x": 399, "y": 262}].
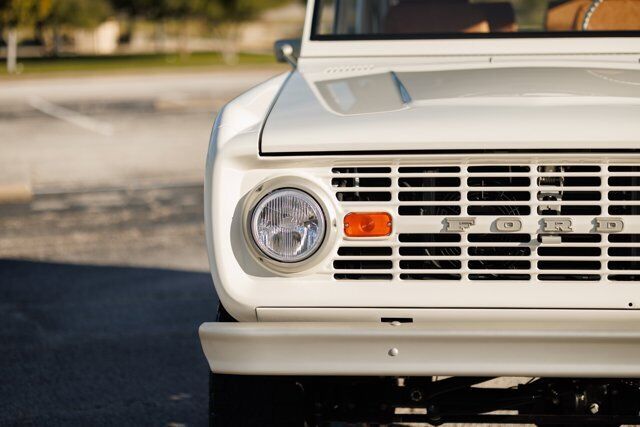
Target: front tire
[{"x": 238, "y": 401}]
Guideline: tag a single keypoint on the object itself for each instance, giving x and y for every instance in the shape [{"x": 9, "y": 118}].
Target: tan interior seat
[
  {"x": 616, "y": 15},
  {"x": 501, "y": 16},
  {"x": 566, "y": 15},
  {"x": 433, "y": 16},
  {"x": 610, "y": 15}
]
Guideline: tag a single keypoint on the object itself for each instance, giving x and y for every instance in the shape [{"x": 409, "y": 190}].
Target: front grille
[{"x": 421, "y": 198}]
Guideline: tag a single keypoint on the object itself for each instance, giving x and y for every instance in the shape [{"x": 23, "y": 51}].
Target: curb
[
  {"x": 15, "y": 186},
  {"x": 13, "y": 194}
]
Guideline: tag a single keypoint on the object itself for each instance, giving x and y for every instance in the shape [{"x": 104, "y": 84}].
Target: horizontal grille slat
[
  {"x": 429, "y": 182},
  {"x": 569, "y": 251},
  {"x": 424, "y": 198},
  {"x": 361, "y": 171},
  {"x": 498, "y": 238},
  {"x": 568, "y": 210},
  {"x": 429, "y": 196},
  {"x": 499, "y": 210},
  {"x": 364, "y": 196},
  {"x": 498, "y": 196},
  {"x": 429, "y": 169},
  {"x": 429, "y": 276},
  {"x": 449, "y": 237},
  {"x": 360, "y": 276},
  {"x": 624, "y": 251},
  {"x": 569, "y": 277},
  {"x": 444, "y": 264},
  {"x": 361, "y": 182},
  {"x": 498, "y": 181},
  {"x": 498, "y": 169},
  {"x": 624, "y": 210},
  {"x": 499, "y": 265},
  {"x": 429, "y": 210},
  {"x": 433, "y": 251},
  {"x": 365, "y": 251},
  {"x": 624, "y": 277},
  {"x": 362, "y": 265},
  {"x": 573, "y": 196},
  {"x": 493, "y": 251},
  {"x": 569, "y": 181},
  {"x": 624, "y": 181},
  {"x": 569, "y": 169},
  {"x": 500, "y": 277},
  {"x": 569, "y": 265}
]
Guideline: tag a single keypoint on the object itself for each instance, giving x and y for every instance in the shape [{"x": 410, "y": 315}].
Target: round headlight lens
[{"x": 288, "y": 225}]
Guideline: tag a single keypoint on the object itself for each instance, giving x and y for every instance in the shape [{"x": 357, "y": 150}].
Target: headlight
[{"x": 288, "y": 225}]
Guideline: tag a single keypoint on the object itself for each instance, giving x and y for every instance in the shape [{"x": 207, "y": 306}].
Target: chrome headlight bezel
[{"x": 315, "y": 194}]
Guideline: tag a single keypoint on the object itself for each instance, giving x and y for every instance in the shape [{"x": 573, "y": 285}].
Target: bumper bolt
[{"x": 416, "y": 395}]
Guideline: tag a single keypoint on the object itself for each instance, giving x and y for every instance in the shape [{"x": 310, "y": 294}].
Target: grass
[{"x": 117, "y": 63}]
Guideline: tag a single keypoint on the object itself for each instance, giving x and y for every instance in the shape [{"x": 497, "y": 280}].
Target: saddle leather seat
[
  {"x": 616, "y": 15},
  {"x": 610, "y": 15}
]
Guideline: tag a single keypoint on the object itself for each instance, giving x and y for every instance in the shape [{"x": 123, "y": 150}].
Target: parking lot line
[
  {"x": 70, "y": 116},
  {"x": 15, "y": 185}
]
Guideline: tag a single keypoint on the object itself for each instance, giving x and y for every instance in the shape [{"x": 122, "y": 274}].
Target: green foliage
[
  {"x": 215, "y": 11},
  {"x": 78, "y": 13},
  {"x": 89, "y": 13},
  {"x": 236, "y": 11},
  {"x": 161, "y": 9},
  {"x": 18, "y": 13},
  {"x": 144, "y": 8},
  {"x": 178, "y": 9}
]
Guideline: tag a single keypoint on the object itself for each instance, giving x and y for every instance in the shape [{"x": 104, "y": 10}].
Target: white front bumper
[{"x": 577, "y": 349}]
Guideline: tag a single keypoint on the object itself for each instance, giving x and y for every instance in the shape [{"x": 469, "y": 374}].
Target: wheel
[{"x": 247, "y": 401}]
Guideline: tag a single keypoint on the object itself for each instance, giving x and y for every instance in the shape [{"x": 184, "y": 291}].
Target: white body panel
[
  {"x": 606, "y": 347},
  {"x": 508, "y": 105},
  {"x": 243, "y": 285}
]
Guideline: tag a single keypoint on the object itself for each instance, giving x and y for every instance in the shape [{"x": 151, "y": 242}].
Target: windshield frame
[{"x": 588, "y": 42}]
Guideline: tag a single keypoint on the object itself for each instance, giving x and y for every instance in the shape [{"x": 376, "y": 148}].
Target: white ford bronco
[{"x": 439, "y": 194}]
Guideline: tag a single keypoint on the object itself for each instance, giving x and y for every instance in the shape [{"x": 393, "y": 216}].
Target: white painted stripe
[{"x": 70, "y": 116}]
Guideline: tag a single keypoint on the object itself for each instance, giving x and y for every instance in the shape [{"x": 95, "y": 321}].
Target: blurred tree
[
  {"x": 135, "y": 8},
  {"x": 182, "y": 11},
  {"x": 15, "y": 14},
  {"x": 227, "y": 16},
  {"x": 79, "y": 13},
  {"x": 75, "y": 14},
  {"x": 245, "y": 10},
  {"x": 132, "y": 10},
  {"x": 224, "y": 16}
]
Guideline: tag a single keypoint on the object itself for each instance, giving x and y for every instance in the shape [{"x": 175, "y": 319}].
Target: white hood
[{"x": 485, "y": 108}]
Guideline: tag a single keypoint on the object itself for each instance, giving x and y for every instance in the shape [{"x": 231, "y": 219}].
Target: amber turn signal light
[{"x": 367, "y": 224}]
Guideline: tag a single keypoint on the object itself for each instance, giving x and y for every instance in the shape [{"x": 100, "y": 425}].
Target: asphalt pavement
[
  {"x": 101, "y": 296},
  {"x": 84, "y": 345},
  {"x": 103, "y": 268},
  {"x": 114, "y": 131}
]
